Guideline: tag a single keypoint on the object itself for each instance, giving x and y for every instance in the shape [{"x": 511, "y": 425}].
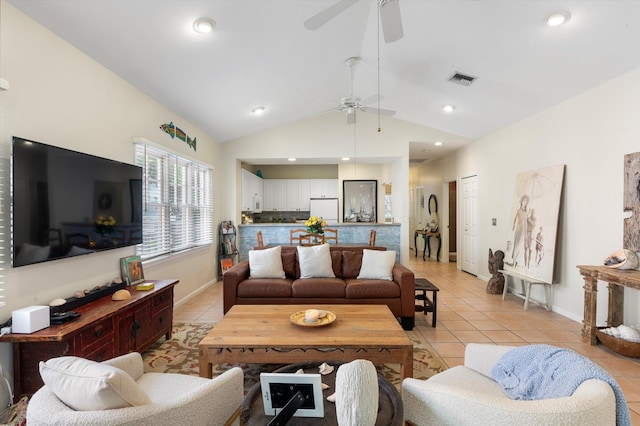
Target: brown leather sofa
[{"x": 345, "y": 288}]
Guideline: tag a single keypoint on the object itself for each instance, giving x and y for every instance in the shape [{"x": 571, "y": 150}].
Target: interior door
[{"x": 469, "y": 249}]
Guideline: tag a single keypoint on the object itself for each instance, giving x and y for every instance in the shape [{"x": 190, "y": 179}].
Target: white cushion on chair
[
  {"x": 266, "y": 263},
  {"x": 88, "y": 385}
]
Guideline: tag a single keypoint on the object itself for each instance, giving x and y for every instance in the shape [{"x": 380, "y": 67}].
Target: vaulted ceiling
[{"x": 261, "y": 55}]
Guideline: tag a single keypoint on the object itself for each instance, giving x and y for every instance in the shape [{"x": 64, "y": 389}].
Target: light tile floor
[{"x": 466, "y": 313}]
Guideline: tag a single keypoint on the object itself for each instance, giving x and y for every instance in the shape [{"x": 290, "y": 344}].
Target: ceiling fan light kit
[{"x": 352, "y": 104}]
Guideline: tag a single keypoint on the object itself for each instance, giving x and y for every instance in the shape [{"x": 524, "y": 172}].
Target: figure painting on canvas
[{"x": 534, "y": 222}]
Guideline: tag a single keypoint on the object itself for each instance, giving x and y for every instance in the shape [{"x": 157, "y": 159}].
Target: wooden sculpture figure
[{"x": 496, "y": 263}]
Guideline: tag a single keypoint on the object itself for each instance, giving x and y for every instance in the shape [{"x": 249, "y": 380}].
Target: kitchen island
[{"x": 274, "y": 234}]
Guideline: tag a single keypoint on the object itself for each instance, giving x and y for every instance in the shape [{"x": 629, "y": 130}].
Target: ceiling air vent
[{"x": 462, "y": 79}]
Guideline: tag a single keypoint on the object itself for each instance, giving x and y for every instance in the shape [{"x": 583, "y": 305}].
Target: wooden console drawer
[
  {"x": 102, "y": 353},
  {"x": 163, "y": 300},
  {"x": 96, "y": 334},
  {"x": 162, "y": 321}
]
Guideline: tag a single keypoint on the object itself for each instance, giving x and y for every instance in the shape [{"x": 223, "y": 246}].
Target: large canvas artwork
[
  {"x": 534, "y": 223},
  {"x": 632, "y": 201}
]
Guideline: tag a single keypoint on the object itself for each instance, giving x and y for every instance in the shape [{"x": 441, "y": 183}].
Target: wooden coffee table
[{"x": 264, "y": 334}]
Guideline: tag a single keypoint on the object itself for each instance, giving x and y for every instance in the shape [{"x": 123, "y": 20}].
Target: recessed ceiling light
[
  {"x": 437, "y": 143},
  {"x": 448, "y": 108},
  {"x": 204, "y": 25},
  {"x": 258, "y": 110},
  {"x": 346, "y": 158},
  {"x": 558, "y": 18},
  {"x": 291, "y": 159}
]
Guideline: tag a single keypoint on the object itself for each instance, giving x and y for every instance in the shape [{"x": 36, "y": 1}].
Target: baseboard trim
[{"x": 193, "y": 294}]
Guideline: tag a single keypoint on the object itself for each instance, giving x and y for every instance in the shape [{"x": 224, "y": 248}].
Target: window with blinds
[{"x": 177, "y": 202}]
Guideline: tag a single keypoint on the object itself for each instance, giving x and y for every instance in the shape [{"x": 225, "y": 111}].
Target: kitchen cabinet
[
  {"x": 294, "y": 194},
  {"x": 323, "y": 188},
  {"x": 275, "y": 195},
  {"x": 252, "y": 190},
  {"x": 298, "y": 194}
]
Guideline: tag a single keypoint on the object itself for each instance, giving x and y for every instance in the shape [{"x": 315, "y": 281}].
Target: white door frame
[{"x": 444, "y": 223}]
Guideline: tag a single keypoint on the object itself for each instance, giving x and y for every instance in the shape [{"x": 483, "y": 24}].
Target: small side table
[
  {"x": 426, "y": 236},
  {"x": 428, "y": 305}
]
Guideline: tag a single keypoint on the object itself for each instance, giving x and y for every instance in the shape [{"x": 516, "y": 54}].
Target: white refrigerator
[{"x": 326, "y": 208}]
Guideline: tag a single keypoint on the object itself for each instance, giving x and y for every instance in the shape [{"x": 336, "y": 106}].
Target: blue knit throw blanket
[{"x": 544, "y": 372}]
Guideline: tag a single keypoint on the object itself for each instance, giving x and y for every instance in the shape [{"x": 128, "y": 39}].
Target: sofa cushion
[
  {"x": 377, "y": 265},
  {"x": 266, "y": 263},
  {"x": 319, "y": 287},
  {"x": 336, "y": 263},
  {"x": 315, "y": 262},
  {"x": 265, "y": 287},
  {"x": 351, "y": 262},
  {"x": 86, "y": 385},
  {"x": 290, "y": 264},
  {"x": 371, "y": 289}
]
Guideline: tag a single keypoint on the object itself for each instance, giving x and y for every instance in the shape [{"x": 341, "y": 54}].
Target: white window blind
[{"x": 177, "y": 202}]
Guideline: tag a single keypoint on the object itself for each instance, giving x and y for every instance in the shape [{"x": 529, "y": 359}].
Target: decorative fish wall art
[{"x": 174, "y": 131}]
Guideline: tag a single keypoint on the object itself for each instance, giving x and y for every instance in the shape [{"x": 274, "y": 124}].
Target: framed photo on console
[
  {"x": 131, "y": 269},
  {"x": 279, "y": 388}
]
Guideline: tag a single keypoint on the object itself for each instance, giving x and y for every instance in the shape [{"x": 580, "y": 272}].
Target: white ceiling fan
[
  {"x": 389, "y": 16},
  {"x": 353, "y": 103}
]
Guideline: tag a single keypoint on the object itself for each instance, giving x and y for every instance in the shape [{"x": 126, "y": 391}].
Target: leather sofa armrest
[
  {"x": 230, "y": 280},
  {"x": 406, "y": 280}
]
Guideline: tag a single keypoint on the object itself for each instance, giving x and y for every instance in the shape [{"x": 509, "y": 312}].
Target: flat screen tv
[{"x": 66, "y": 203}]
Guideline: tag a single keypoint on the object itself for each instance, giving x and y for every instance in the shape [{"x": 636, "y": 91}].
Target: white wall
[
  {"x": 590, "y": 134},
  {"x": 62, "y": 97}
]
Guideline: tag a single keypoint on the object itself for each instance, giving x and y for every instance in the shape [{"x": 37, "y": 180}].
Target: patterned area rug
[{"x": 180, "y": 355}]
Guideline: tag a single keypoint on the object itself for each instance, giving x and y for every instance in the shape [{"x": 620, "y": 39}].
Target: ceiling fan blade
[
  {"x": 391, "y": 20},
  {"x": 380, "y": 110},
  {"x": 321, "y": 18}
]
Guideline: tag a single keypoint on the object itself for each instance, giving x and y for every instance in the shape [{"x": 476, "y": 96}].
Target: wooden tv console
[{"x": 105, "y": 329}]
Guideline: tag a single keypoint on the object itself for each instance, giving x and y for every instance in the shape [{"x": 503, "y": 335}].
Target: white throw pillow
[
  {"x": 266, "y": 263},
  {"x": 89, "y": 386},
  {"x": 377, "y": 264},
  {"x": 315, "y": 261}
]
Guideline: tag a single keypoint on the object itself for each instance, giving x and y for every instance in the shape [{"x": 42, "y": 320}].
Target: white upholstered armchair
[
  {"x": 173, "y": 399},
  {"x": 466, "y": 395}
]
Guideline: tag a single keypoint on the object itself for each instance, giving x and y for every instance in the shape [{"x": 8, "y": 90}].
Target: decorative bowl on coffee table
[{"x": 299, "y": 318}]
